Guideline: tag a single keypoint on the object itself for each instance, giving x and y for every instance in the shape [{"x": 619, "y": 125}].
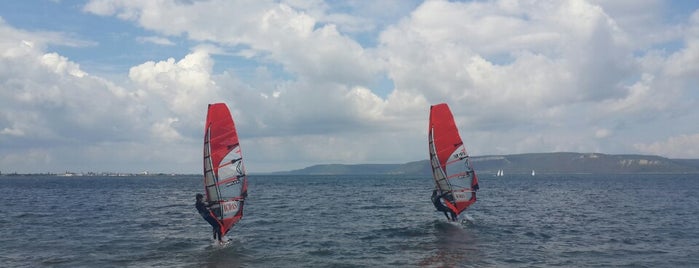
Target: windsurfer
[
  {"x": 437, "y": 200},
  {"x": 203, "y": 209}
]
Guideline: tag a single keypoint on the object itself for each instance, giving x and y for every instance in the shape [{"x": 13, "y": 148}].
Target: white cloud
[
  {"x": 11, "y": 131},
  {"x": 52, "y": 111},
  {"x": 602, "y": 133},
  {"x": 682, "y": 146},
  {"x": 61, "y": 65},
  {"x": 185, "y": 86},
  {"x": 683, "y": 64},
  {"x": 156, "y": 40},
  {"x": 520, "y": 76},
  {"x": 450, "y": 52},
  {"x": 165, "y": 132}
]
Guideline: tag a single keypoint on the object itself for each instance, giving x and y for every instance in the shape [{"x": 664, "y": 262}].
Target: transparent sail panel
[
  {"x": 458, "y": 170},
  {"x": 437, "y": 172},
  {"x": 231, "y": 172},
  {"x": 209, "y": 177}
]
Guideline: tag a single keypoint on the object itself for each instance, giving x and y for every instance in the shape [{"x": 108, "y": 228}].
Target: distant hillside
[
  {"x": 584, "y": 163},
  {"x": 543, "y": 163}
]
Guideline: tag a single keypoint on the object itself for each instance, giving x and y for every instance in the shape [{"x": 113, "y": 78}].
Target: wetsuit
[
  {"x": 205, "y": 213},
  {"x": 437, "y": 202}
]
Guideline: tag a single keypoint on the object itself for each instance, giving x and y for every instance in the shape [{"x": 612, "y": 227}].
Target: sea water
[{"x": 353, "y": 221}]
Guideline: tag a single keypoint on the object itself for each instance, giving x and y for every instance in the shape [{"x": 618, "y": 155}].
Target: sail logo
[
  {"x": 230, "y": 207},
  {"x": 234, "y": 182},
  {"x": 461, "y": 196}
]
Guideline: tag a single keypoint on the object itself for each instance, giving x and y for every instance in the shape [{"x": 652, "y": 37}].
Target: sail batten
[
  {"x": 452, "y": 172},
  {"x": 225, "y": 181}
]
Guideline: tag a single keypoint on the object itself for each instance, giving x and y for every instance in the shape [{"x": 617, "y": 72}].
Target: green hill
[{"x": 542, "y": 163}]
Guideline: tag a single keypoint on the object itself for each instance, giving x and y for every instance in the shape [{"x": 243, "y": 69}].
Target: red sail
[
  {"x": 451, "y": 166},
  {"x": 225, "y": 180}
]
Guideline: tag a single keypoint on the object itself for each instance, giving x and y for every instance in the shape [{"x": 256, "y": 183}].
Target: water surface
[{"x": 353, "y": 221}]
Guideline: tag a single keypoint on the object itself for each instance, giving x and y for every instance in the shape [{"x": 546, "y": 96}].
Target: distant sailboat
[
  {"x": 225, "y": 180},
  {"x": 455, "y": 180},
  {"x": 533, "y": 173},
  {"x": 500, "y": 173}
]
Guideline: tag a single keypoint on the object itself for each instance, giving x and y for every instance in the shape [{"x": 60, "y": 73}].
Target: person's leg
[
  {"x": 217, "y": 231},
  {"x": 215, "y": 227}
]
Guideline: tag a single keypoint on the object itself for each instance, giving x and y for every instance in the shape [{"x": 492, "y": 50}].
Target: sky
[{"x": 123, "y": 85}]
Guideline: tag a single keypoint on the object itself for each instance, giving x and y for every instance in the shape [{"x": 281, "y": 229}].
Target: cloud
[
  {"x": 181, "y": 85},
  {"x": 303, "y": 80},
  {"x": 56, "y": 116},
  {"x": 683, "y": 146},
  {"x": 512, "y": 61},
  {"x": 602, "y": 133},
  {"x": 513, "y": 65},
  {"x": 156, "y": 40}
]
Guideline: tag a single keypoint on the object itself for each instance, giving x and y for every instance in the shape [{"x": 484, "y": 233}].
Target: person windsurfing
[
  {"x": 437, "y": 201},
  {"x": 203, "y": 209}
]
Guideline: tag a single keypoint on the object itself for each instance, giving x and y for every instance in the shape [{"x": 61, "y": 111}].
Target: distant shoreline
[{"x": 543, "y": 163}]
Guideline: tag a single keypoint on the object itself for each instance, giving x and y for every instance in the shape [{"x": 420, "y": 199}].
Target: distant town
[{"x": 80, "y": 174}]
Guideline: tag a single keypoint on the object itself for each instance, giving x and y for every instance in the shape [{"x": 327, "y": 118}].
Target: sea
[{"x": 561, "y": 220}]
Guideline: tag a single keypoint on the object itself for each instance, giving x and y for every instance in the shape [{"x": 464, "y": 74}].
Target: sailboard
[
  {"x": 455, "y": 180},
  {"x": 225, "y": 180}
]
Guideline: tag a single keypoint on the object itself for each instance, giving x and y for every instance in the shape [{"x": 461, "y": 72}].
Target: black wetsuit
[
  {"x": 205, "y": 213},
  {"x": 436, "y": 201}
]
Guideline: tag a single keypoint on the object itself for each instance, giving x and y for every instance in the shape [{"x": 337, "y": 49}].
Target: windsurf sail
[
  {"x": 225, "y": 180},
  {"x": 455, "y": 180}
]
